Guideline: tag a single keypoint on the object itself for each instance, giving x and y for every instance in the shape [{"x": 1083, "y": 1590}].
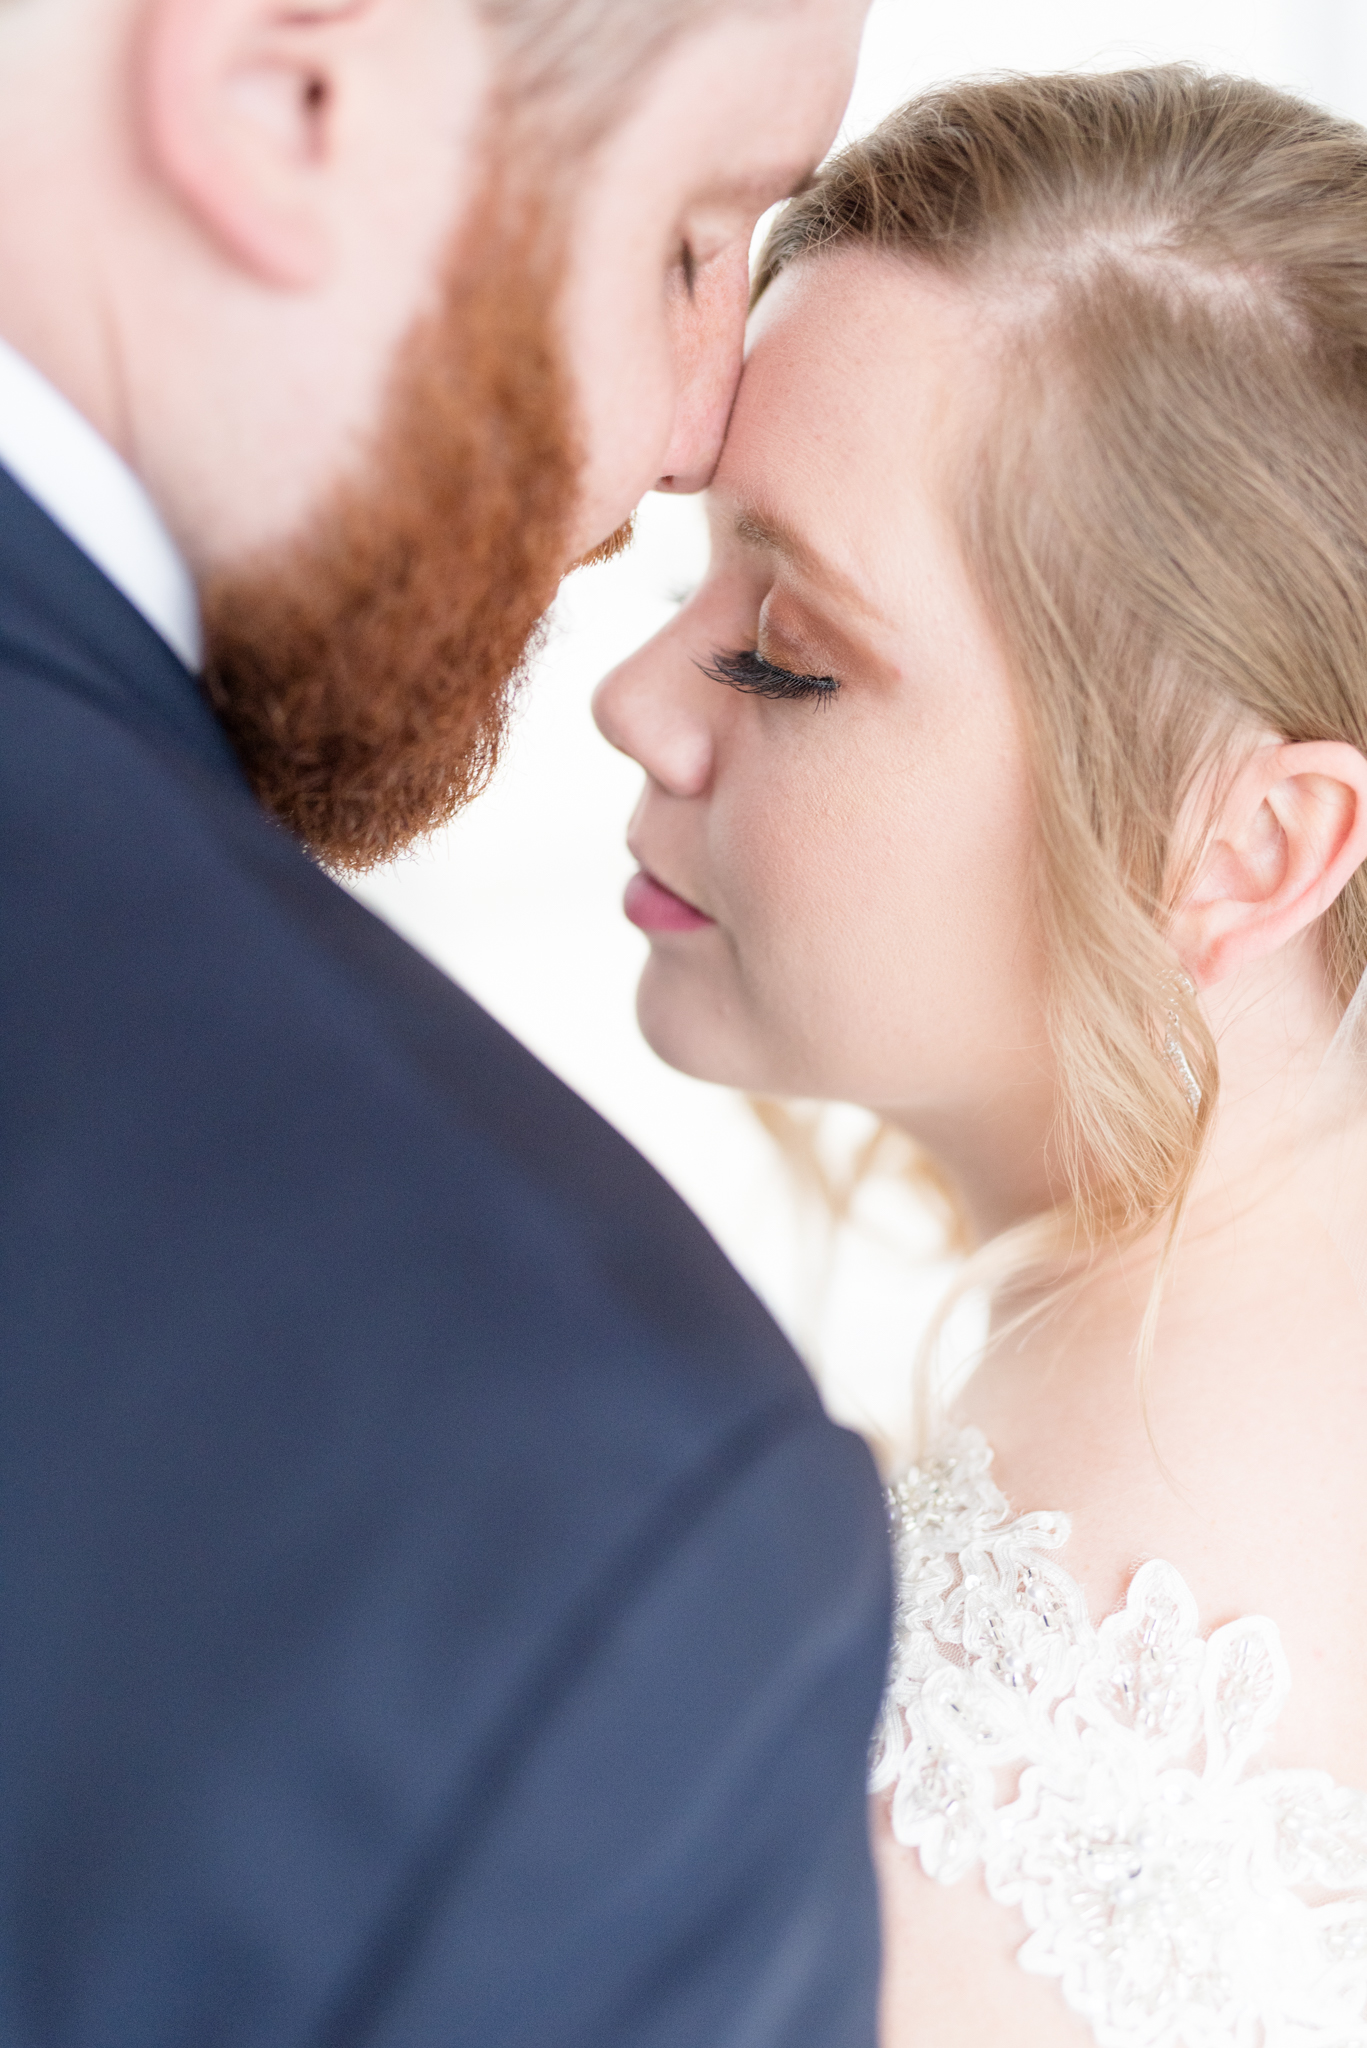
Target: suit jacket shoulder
[{"x": 384, "y": 1447}]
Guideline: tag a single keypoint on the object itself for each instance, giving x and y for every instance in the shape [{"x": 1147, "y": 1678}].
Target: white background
[{"x": 520, "y": 899}]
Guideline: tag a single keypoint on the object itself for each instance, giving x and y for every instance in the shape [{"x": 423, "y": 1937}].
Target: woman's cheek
[
  {"x": 767, "y": 830},
  {"x": 794, "y": 943}
]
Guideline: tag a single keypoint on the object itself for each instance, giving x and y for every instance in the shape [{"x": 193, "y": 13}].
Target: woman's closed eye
[{"x": 745, "y": 668}]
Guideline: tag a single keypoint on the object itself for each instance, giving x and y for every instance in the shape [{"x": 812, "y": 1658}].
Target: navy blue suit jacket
[{"x": 434, "y": 1607}]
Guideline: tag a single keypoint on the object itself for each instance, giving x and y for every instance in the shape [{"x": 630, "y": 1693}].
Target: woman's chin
[
  {"x": 680, "y": 1026},
  {"x": 670, "y": 1040}
]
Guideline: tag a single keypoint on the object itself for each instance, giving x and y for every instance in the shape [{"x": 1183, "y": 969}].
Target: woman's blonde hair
[{"x": 1166, "y": 515}]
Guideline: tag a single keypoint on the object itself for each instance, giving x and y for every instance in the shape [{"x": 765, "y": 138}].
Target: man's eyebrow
[{"x": 762, "y": 188}]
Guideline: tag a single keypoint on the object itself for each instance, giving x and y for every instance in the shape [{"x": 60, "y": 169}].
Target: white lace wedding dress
[{"x": 1106, "y": 1782}]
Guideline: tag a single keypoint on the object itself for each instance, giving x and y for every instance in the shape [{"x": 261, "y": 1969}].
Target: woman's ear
[{"x": 1290, "y": 831}]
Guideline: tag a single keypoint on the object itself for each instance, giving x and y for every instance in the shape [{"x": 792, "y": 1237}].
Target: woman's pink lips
[{"x": 656, "y": 909}]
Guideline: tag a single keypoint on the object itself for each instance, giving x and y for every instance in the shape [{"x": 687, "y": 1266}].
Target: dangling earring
[{"x": 1180, "y": 984}]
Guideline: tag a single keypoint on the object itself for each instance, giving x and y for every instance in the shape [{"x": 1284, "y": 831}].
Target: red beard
[{"x": 364, "y": 673}]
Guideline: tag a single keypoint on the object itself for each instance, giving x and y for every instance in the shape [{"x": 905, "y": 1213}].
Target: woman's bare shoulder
[
  {"x": 1249, "y": 1487},
  {"x": 1112, "y": 1777}
]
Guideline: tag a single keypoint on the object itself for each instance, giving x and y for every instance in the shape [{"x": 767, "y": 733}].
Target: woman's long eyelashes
[{"x": 745, "y": 668}]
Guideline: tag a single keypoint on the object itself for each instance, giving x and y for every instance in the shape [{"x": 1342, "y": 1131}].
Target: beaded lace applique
[{"x": 1105, "y": 1780}]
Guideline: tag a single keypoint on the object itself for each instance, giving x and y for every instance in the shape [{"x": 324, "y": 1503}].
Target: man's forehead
[{"x": 753, "y": 95}]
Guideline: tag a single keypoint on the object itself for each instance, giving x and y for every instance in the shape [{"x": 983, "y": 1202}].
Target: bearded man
[{"x": 435, "y": 1608}]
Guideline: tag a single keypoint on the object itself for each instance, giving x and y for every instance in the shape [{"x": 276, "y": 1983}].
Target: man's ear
[
  {"x": 1291, "y": 830},
  {"x": 272, "y": 121},
  {"x": 238, "y": 102}
]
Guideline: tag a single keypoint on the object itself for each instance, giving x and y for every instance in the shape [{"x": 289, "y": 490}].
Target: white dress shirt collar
[{"x": 92, "y": 494}]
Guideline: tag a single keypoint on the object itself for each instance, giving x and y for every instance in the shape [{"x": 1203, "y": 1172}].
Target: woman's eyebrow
[{"x": 756, "y": 530}]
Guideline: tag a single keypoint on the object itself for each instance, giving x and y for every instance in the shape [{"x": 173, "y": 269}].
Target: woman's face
[{"x": 837, "y": 855}]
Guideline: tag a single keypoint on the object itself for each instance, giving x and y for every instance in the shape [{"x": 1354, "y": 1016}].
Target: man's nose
[
  {"x": 648, "y": 710},
  {"x": 711, "y": 348}
]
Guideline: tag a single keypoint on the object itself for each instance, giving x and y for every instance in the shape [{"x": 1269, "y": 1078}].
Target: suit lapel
[{"x": 61, "y": 618}]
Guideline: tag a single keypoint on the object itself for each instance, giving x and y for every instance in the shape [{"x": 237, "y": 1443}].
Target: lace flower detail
[{"x": 1105, "y": 1780}]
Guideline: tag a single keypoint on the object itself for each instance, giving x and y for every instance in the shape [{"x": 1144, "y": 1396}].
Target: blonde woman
[{"x": 1008, "y": 774}]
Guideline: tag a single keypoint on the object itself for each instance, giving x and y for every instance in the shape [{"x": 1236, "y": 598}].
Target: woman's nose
[{"x": 649, "y": 709}]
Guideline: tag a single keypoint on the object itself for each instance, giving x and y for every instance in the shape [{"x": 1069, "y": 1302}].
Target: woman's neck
[{"x": 1276, "y": 1212}]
